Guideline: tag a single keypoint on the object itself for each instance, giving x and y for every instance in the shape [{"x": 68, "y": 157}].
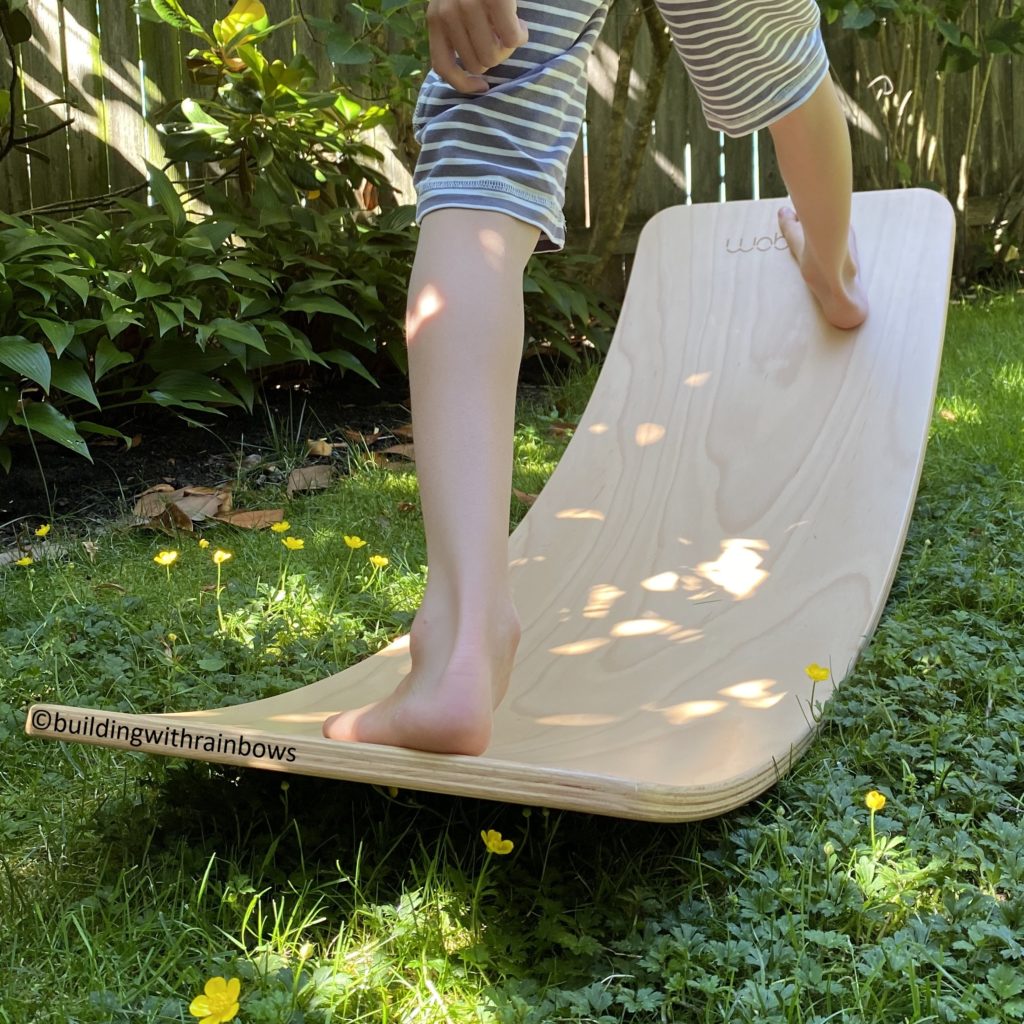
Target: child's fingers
[
  {"x": 510, "y": 29},
  {"x": 442, "y": 59},
  {"x": 482, "y": 34}
]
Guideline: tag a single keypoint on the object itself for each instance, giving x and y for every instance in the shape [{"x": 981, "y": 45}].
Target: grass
[{"x": 128, "y": 881}]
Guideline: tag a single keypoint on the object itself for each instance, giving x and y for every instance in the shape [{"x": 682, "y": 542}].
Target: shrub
[{"x": 109, "y": 311}]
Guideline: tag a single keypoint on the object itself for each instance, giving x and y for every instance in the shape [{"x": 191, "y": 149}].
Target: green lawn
[{"x": 127, "y": 881}]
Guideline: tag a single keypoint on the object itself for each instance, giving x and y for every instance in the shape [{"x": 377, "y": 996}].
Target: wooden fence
[{"x": 96, "y": 63}]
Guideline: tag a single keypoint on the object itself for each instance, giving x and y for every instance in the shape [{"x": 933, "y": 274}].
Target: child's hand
[{"x": 482, "y": 32}]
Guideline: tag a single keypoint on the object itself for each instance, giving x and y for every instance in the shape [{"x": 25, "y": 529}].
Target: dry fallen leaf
[
  {"x": 406, "y": 451},
  {"x": 407, "y": 506},
  {"x": 310, "y": 478},
  {"x": 560, "y": 427},
  {"x": 110, "y": 586},
  {"x": 526, "y": 499},
  {"x": 948, "y": 415},
  {"x": 150, "y": 502},
  {"x": 359, "y": 438},
  {"x": 171, "y": 519},
  {"x": 319, "y": 447},
  {"x": 196, "y": 502},
  {"x": 404, "y": 431},
  {"x": 257, "y": 519}
]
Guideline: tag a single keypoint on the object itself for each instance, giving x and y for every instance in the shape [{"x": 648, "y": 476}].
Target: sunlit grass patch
[{"x": 882, "y": 880}]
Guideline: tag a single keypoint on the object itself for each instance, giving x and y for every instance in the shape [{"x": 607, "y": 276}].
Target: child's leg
[
  {"x": 813, "y": 149},
  {"x": 465, "y": 340},
  {"x": 758, "y": 63}
]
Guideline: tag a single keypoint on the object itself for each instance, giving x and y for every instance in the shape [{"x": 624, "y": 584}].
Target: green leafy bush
[
  {"x": 150, "y": 305},
  {"x": 108, "y": 311},
  {"x": 265, "y": 119}
]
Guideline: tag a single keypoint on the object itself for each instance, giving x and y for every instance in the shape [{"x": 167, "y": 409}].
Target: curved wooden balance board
[{"x": 731, "y": 508}]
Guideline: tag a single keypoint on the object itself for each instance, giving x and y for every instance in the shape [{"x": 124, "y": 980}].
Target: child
[{"x": 490, "y": 184}]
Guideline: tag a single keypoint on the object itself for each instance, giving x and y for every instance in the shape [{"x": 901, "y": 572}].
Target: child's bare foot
[
  {"x": 843, "y": 301},
  {"x": 446, "y": 703}
]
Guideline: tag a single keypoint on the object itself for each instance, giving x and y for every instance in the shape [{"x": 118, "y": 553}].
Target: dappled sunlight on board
[{"x": 730, "y": 511}]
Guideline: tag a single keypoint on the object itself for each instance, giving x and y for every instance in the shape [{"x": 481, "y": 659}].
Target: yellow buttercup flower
[
  {"x": 24, "y": 561},
  {"x": 281, "y": 527},
  {"x": 355, "y": 542},
  {"x": 494, "y": 842},
  {"x": 817, "y": 672},
  {"x": 43, "y": 530},
  {"x": 293, "y": 543},
  {"x": 219, "y": 1002},
  {"x": 220, "y": 556},
  {"x": 204, "y": 543},
  {"x": 875, "y": 800},
  {"x": 165, "y": 558},
  {"x": 378, "y": 561}
]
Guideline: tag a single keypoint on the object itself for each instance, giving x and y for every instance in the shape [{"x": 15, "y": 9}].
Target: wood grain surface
[{"x": 731, "y": 508}]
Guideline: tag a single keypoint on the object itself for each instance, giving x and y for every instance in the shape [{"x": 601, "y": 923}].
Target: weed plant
[{"x": 128, "y": 883}]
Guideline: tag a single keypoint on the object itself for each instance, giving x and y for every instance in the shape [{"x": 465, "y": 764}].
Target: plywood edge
[{"x": 478, "y": 777}]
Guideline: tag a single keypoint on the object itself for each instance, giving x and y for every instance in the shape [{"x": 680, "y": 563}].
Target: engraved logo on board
[{"x": 756, "y": 243}]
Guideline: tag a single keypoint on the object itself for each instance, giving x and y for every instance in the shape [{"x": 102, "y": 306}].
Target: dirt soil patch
[{"x": 52, "y": 483}]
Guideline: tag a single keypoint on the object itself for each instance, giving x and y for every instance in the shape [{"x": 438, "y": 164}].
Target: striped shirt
[{"x": 750, "y": 62}]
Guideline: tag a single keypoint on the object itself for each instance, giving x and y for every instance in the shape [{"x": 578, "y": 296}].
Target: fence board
[
  {"x": 43, "y": 70},
  {"x": 163, "y": 65},
  {"x": 72, "y": 59},
  {"x": 280, "y": 45},
  {"x": 86, "y": 152},
  {"x": 14, "y": 184},
  {"x": 770, "y": 182},
  {"x": 669, "y": 143},
  {"x": 123, "y": 127},
  {"x": 739, "y": 167}
]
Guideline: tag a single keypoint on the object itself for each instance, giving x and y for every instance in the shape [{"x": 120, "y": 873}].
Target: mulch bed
[{"x": 55, "y": 483}]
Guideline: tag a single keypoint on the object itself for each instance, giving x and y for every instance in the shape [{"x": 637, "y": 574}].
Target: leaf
[
  {"x": 200, "y": 118},
  {"x": 59, "y": 333},
  {"x": 171, "y": 11},
  {"x": 348, "y": 109},
  {"x": 257, "y": 519},
  {"x": 857, "y": 18},
  {"x": 310, "y": 478},
  {"x": 319, "y": 447},
  {"x": 214, "y": 663},
  {"x": 5, "y": 458},
  {"x": 246, "y": 333},
  {"x": 44, "y": 419},
  {"x": 348, "y": 361},
  {"x": 202, "y": 273},
  {"x": 27, "y": 358},
  {"x": 108, "y": 355},
  {"x": 171, "y": 519},
  {"x": 1005, "y": 981},
  {"x": 78, "y": 284},
  {"x": 96, "y": 428},
  {"x": 167, "y": 317},
  {"x": 147, "y": 289},
  {"x": 238, "y": 268},
  {"x": 117, "y": 322},
  {"x": 343, "y": 49},
  {"x": 319, "y": 304},
  {"x": 398, "y": 219},
  {"x": 18, "y": 28},
  {"x": 71, "y": 377},
  {"x": 166, "y": 195},
  {"x": 181, "y": 385},
  {"x": 406, "y": 451}
]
